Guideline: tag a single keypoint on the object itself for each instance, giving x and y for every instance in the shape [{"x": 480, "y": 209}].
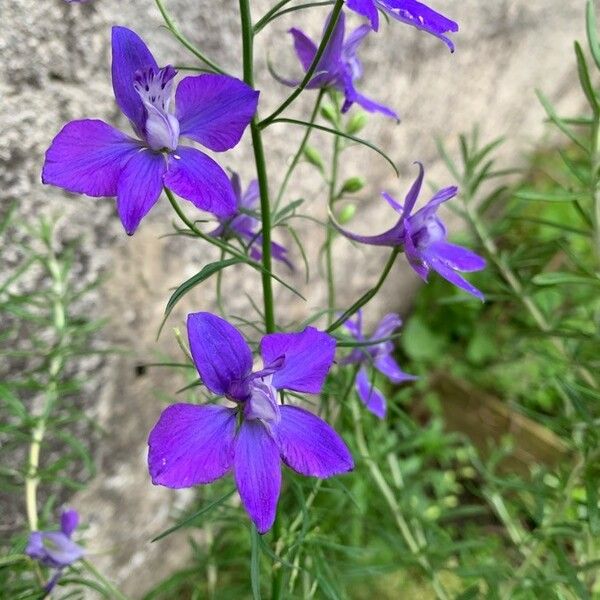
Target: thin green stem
[
  {"x": 172, "y": 26},
  {"x": 116, "y": 594},
  {"x": 595, "y": 181},
  {"x": 294, "y": 163},
  {"x": 337, "y": 9},
  {"x": 390, "y": 498},
  {"x": 368, "y": 295},
  {"x": 275, "y": 15},
  {"x": 263, "y": 21}
]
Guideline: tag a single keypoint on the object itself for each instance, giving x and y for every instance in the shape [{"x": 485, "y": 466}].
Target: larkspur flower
[
  {"x": 56, "y": 549},
  {"x": 192, "y": 444},
  {"x": 423, "y": 238},
  {"x": 244, "y": 226},
  {"x": 378, "y": 356},
  {"x": 91, "y": 157},
  {"x": 339, "y": 66},
  {"x": 413, "y": 13}
]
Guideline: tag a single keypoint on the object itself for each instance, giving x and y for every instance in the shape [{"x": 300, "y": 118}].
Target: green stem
[
  {"x": 273, "y": 14},
  {"x": 368, "y": 295},
  {"x": 337, "y": 9},
  {"x": 116, "y": 594},
  {"x": 172, "y": 26},
  {"x": 298, "y": 154},
  {"x": 595, "y": 181},
  {"x": 330, "y": 231},
  {"x": 263, "y": 21},
  {"x": 390, "y": 498}
]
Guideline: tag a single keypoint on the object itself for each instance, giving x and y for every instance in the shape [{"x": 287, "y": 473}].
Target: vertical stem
[
  {"x": 330, "y": 232},
  {"x": 595, "y": 181},
  {"x": 261, "y": 171}
]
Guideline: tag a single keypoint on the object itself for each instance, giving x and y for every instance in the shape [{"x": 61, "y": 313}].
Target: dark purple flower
[
  {"x": 244, "y": 226},
  {"x": 379, "y": 356},
  {"x": 193, "y": 444},
  {"x": 339, "y": 66},
  {"x": 91, "y": 157},
  {"x": 413, "y": 13},
  {"x": 56, "y": 549},
  {"x": 422, "y": 236}
]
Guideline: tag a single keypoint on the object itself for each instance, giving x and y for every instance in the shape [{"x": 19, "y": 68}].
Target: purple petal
[
  {"x": 308, "y": 355},
  {"x": 422, "y": 17},
  {"x": 354, "y": 40},
  {"x": 391, "y": 237},
  {"x": 86, "y": 157},
  {"x": 370, "y": 396},
  {"x": 456, "y": 257},
  {"x": 129, "y": 55},
  {"x": 257, "y": 470},
  {"x": 453, "y": 277},
  {"x": 397, "y": 207},
  {"x": 366, "y": 8},
  {"x": 387, "y": 326},
  {"x": 214, "y": 109},
  {"x": 432, "y": 206},
  {"x": 198, "y": 178},
  {"x": 53, "y": 549},
  {"x": 354, "y": 326},
  {"x": 69, "y": 519},
  {"x": 220, "y": 353},
  {"x": 372, "y": 106},
  {"x": 414, "y": 256},
  {"x": 390, "y": 368},
  {"x": 413, "y": 192},
  {"x": 251, "y": 195},
  {"x": 139, "y": 188},
  {"x": 309, "y": 445},
  {"x": 331, "y": 57},
  {"x": 304, "y": 46},
  {"x": 191, "y": 445}
]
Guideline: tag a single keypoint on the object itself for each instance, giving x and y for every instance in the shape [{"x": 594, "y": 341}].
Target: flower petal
[
  {"x": 191, "y": 445},
  {"x": 309, "y": 445},
  {"x": 69, "y": 519},
  {"x": 214, "y": 109},
  {"x": 139, "y": 188},
  {"x": 332, "y": 55},
  {"x": 307, "y": 355},
  {"x": 304, "y": 46},
  {"x": 257, "y": 471},
  {"x": 353, "y": 41},
  {"x": 456, "y": 257},
  {"x": 129, "y": 54},
  {"x": 422, "y": 17},
  {"x": 370, "y": 396},
  {"x": 387, "y": 326},
  {"x": 386, "y": 364},
  {"x": 86, "y": 157},
  {"x": 198, "y": 178},
  {"x": 453, "y": 277},
  {"x": 220, "y": 353},
  {"x": 413, "y": 192},
  {"x": 366, "y": 8}
]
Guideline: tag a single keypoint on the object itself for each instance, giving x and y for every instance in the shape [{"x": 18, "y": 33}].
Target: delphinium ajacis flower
[
  {"x": 56, "y": 549},
  {"x": 244, "y": 226},
  {"x": 93, "y": 158},
  {"x": 413, "y": 13},
  {"x": 339, "y": 66},
  {"x": 379, "y": 356},
  {"x": 423, "y": 238},
  {"x": 197, "y": 444}
]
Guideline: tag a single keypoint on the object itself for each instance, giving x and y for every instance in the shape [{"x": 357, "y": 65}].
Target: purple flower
[
  {"x": 91, "y": 157},
  {"x": 193, "y": 444},
  {"x": 56, "y": 549},
  {"x": 413, "y": 13},
  {"x": 422, "y": 236},
  {"x": 244, "y": 226},
  {"x": 339, "y": 66},
  {"x": 378, "y": 355}
]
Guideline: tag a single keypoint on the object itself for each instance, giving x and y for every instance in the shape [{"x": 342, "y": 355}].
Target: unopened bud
[
  {"x": 329, "y": 113},
  {"x": 313, "y": 156},
  {"x": 356, "y": 123},
  {"x": 347, "y": 213},
  {"x": 353, "y": 185}
]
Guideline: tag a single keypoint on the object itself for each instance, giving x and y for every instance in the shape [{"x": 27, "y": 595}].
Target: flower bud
[
  {"x": 356, "y": 123},
  {"x": 313, "y": 156},
  {"x": 353, "y": 185},
  {"x": 347, "y": 214},
  {"x": 329, "y": 113}
]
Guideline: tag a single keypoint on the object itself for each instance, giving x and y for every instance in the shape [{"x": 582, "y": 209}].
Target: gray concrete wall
[{"x": 56, "y": 68}]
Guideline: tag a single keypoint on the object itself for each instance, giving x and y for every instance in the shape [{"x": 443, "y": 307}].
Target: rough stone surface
[{"x": 56, "y": 68}]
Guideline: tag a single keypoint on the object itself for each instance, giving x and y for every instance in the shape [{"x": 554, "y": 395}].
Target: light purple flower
[
  {"x": 413, "y": 13},
  {"x": 56, "y": 549},
  {"x": 91, "y": 157},
  {"x": 339, "y": 66},
  {"x": 379, "y": 355},
  {"x": 244, "y": 226},
  {"x": 422, "y": 236},
  {"x": 193, "y": 444}
]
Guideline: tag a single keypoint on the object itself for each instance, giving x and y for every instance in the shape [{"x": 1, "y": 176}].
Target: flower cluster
[{"x": 258, "y": 429}]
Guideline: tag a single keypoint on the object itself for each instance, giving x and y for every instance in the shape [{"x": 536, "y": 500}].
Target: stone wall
[{"x": 56, "y": 68}]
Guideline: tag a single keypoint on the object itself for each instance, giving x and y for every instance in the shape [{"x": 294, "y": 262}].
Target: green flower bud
[
  {"x": 347, "y": 213},
  {"x": 353, "y": 185},
  {"x": 329, "y": 113},
  {"x": 356, "y": 123},
  {"x": 313, "y": 156}
]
